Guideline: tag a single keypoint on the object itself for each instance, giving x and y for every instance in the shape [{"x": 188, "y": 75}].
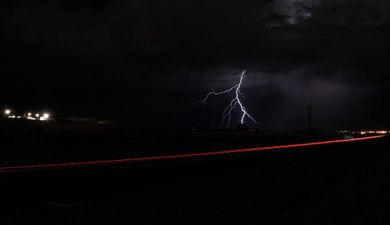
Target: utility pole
[{"x": 309, "y": 109}]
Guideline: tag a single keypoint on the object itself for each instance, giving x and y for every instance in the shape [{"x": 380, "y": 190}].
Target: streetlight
[
  {"x": 46, "y": 116},
  {"x": 7, "y": 111}
]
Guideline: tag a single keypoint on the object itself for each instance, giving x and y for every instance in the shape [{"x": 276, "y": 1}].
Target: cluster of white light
[
  {"x": 45, "y": 116},
  {"x": 29, "y": 116},
  {"x": 365, "y": 132},
  {"x": 37, "y": 116},
  {"x": 7, "y": 112}
]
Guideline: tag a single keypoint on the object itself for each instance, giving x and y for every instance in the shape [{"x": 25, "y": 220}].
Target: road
[
  {"x": 21, "y": 168},
  {"x": 335, "y": 182}
]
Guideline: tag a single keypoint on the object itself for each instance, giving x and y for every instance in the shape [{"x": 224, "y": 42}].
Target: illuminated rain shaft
[{"x": 227, "y": 113}]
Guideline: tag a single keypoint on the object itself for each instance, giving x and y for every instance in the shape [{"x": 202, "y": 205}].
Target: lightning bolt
[{"x": 227, "y": 113}]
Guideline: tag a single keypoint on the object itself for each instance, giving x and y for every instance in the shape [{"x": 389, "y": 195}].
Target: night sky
[{"x": 147, "y": 61}]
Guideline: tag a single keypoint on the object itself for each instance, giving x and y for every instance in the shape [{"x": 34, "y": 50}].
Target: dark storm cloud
[
  {"x": 353, "y": 14},
  {"x": 291, "y": 12},
  {"x": 138, "y": 57},
  {"x": 57, "y": 26}
]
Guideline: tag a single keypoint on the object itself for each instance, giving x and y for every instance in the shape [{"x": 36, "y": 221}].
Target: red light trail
[{"x": 22, "y": 168}]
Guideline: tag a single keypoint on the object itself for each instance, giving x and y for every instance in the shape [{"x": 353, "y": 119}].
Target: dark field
[
  {"x": 335, "y": 184},
  {"x": 26, "y": 142}
]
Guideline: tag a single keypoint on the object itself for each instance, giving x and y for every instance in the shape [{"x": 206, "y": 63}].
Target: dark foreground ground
[
  {"x": 25, "y": 142},
  {"x": 337, "y": 184}
]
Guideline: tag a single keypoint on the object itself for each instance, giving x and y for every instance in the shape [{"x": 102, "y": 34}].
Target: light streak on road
[{"x": 22, "y": 168}]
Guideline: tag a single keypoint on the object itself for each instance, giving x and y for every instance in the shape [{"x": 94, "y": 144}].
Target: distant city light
[
  {"x": 46, "y": 115},
  {"x": 364, "y": 132},
  {"x": 26, "y": 116}
]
